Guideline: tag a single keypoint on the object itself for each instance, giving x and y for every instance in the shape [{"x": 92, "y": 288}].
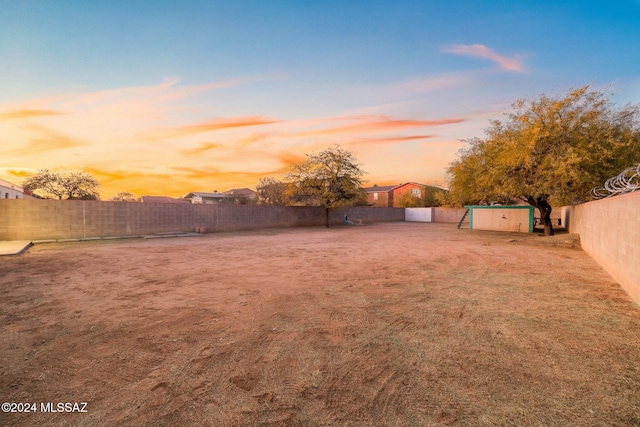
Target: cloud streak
[
  {"x": 218, "y": 124},
  {"x": 28, "y": 114},
  {"x": 481, "y": 51},
  {"x": 376, "y": 124},
  {"x": 43, "y": 139},
  {"x": 390, "y": 140}
]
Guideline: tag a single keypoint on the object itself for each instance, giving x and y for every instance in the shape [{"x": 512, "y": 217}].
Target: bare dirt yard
[{"x": 394, "y": 324}]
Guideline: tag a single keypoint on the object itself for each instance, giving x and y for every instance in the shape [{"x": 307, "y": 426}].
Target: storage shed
[{"x": 502, "y": 218}]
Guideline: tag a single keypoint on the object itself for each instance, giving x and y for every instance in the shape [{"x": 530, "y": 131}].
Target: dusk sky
[{"x": 169, "y": 97}]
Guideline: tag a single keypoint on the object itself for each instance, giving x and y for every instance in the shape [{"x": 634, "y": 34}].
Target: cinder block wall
[
  {"x": 449, "y": 215},
  {"x": 609, "y": 232},
  {"x": 366, "y": 214},
  {"x": 75, "y": 219}
]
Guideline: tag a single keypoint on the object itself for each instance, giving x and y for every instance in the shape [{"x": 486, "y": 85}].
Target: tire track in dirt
[{"x": 381, "y": 378}]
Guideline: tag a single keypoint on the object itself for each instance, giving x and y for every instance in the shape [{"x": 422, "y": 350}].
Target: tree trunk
[
  {"x": 327, "y": 217},
  {"x": 545, "y": 209}
]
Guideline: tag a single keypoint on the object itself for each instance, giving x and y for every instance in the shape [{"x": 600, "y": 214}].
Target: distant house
[
  {"x": 12, "y": 191},
  {"x": 242, "y": 195},
  {"x": 236, "y": 195},
  {"x": 202, "y": 198},
  {"x": 387, "y": 196},
  {"x": 162, "y": 199}
]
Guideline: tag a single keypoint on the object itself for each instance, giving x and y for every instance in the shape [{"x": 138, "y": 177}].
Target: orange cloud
[
  {"x": 482, "y": 51},
  {"x": 216, "y": 173},
  {"x": 253, "y": 138},
  {"x": 138, "y": 183},
  {"x": 46, "y": 140},
  {"x": 213, "y": 125},
  {"x": 20, "y": 173},
  {"x": 202, "y": 148},
  {"x": 288, "y": 158},
  {"x": 27, "y": 114},
  {"x": 176, "y": 182},
  {"x": 379, "y": 125},
  {"x": 390, "y": 140}
]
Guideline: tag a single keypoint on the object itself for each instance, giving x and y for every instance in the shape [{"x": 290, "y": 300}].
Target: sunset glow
[{"x": 168, "y": 98}]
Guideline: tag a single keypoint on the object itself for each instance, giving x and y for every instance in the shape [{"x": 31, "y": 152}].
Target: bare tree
[
  {"x": 124, "y": 196},
  {"x": 330, "y": 178},
  {"x": 77, "y": 185}
]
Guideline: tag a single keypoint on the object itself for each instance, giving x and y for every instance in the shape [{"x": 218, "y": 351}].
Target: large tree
[
  {"x": 63, "y": 185},
  {"x": 549, "y": 150},
  {"x": 272, "y": 191},
  {"x": 330, "y": 178}
]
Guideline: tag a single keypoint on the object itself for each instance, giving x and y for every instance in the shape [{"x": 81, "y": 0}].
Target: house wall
[
  {"x": 76, "y": 219},
  {"x": 609, "y": 232},
  {"x": 383, "y": 199},
  {"x": 10, "y": 192},
  {"x": 403, "y": 189},
  {"x": 501, "y": 218}
]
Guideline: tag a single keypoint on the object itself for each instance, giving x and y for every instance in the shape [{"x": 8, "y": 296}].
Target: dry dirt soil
[{"x": 395, "y": 324}]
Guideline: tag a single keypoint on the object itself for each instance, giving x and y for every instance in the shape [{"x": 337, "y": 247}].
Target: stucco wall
[
  {"x": 418, "y": 214},
  {"x": 502, "y": 218},
  {"x": 609, "y": 232},
  {"x": 74, "y": 219}
]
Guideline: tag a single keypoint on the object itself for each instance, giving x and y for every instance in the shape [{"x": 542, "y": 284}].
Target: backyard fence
[
  {"x": 78, "y": 219},
  {"x": 609, "y": 232}
]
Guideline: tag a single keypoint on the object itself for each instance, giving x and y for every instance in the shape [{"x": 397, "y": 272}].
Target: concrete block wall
[
  {"x": 448, "y": 215},
  {"x": 77, "y": 219},
  {"x": 366, "y": 214},
  {"x": 609, "y": 232}
]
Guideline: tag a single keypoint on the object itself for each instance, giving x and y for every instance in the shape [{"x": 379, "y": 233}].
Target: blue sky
[{"x": 164, "y": 97}]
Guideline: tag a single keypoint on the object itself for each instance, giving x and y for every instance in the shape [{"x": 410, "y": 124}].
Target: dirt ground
[{"x": 395, "y": 324}]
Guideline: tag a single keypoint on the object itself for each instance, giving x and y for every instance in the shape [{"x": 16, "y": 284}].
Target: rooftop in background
[
  {"x": 204, "y": 194},
  {"x": 387, "y": 188},
  {"x": 162, "y": 199},
  {"x": 7, "y": 184}
]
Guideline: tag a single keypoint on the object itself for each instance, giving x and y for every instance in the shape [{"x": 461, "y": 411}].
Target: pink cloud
[
  {"x": 377, "y": 124},
  {"x": 482, "y": 51},
  {"x": 214, "y": 125},
  {"x": 389, "y": 140}
]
